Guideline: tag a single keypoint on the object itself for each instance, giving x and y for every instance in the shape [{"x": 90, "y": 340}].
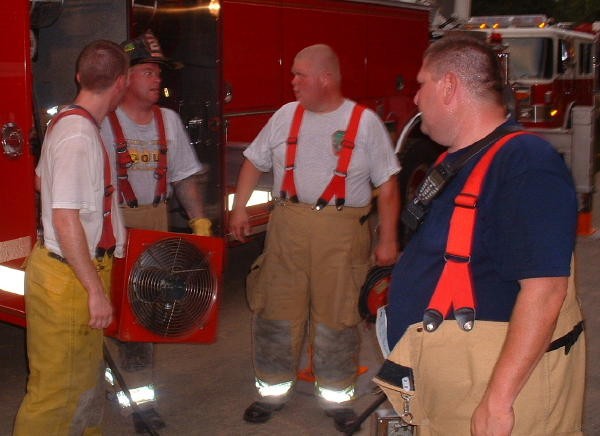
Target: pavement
[{"x": 204, "y": 388}]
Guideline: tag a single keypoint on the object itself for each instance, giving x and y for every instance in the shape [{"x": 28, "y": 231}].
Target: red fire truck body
[{"x": 237, "y": 56}]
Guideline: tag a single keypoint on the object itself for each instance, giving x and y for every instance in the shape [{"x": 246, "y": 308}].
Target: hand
[
  {"x": 386, "y": 253},
  {"x": 492, "y": 421},
  {"x": 101, "y": 312},
  {"x": 200, "y": 226},
  {"x": 239, "y": 225}
]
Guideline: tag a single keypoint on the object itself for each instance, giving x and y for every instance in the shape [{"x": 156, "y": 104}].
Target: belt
[
  {"x": 57, "y": 257},
  {"x": 567, "y": 340},
  {"x": 100, "y": 253}
]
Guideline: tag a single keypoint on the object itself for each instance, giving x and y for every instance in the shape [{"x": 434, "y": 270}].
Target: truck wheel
[{"x": 420, "y": 154}]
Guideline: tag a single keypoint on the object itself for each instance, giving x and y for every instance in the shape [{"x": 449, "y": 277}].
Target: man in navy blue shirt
[{"x": 519, "y": 266}]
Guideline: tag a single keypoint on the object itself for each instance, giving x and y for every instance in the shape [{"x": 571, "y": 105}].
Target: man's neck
[
  {"x": 328, "y": 105},
  {"x": 140, "y": 113},
  {"x": 476, "y": 126},
  {"x": 95, "y": 104}
]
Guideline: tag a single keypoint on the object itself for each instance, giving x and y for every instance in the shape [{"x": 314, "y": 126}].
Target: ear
[
  {"x": 122, "y": 81},
  {"x": 450, "y": 86},
  {"x": 325, "y": 78}
]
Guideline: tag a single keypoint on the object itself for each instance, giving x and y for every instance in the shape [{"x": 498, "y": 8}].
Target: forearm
[
  {"x": 239, "y": 225},
  {"x": 530, "y": 331},
  {"x": 189, "y": 194},
  {"x": 388, "y": 206},
  {"x": 247, "y": 181},
  {"x": 73, "y": 245}
]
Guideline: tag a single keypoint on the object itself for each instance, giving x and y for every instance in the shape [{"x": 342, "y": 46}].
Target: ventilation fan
[{"x": 167, "y": 289}]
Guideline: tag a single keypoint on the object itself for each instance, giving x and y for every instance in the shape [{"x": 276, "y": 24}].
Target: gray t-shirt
[
  {"x": 373, "y": 160},
  {"x": 142, "y": 144}
]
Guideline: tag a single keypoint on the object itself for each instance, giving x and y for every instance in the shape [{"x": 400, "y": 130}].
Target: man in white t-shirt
[
  {"x": 326, "y": 154},
  {"x": 68, "y": 273},
  {"x": 153, "y": 157}
]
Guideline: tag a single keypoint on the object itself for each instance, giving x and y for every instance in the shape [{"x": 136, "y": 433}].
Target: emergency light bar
[{"x": 503, "y": 21}]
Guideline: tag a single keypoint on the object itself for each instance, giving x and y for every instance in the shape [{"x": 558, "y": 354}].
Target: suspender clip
[
  {"x": 432, "y": 319},
  {"x": 320, "y": 204},
  {"x": 465, "y": 317}
]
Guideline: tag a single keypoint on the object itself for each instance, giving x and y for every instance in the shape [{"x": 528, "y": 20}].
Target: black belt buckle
[{"x": 101, "y": 252}]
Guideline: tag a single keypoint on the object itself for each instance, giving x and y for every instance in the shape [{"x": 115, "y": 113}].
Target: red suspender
[
  {"x": 288, "y": 186},
  {"x": 107, "y": 238},
  {"x": 337, "y": 185},
  {"x": 455, "y": 286},
  {"x": 160, "y": 173},
  {"x": 124, "y": 161}
]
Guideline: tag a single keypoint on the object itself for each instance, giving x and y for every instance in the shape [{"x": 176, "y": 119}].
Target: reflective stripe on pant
[
  {"x": 64, "y": 389},
  {"x": 313, "y": 266},
  {"x": 134, "y": 361}
]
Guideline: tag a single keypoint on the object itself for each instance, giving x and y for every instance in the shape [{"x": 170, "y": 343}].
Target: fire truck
[
  {"x": 552, "y": 73},
  {"x": 237, "y": 56}
]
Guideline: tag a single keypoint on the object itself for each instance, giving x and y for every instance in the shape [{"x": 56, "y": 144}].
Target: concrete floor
[{"x": 204, "y": 389}]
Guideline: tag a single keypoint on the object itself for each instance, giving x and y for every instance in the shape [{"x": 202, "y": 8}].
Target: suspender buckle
[
  {"x": 465, "y": 317},
  {"x": 159, "y": 173},
  {"x": 432, "y": 319},
  {"x": 468, "y": 201},
  {"x": 457, "y": 258},
  {"x": 347, "y": 144},
  {"x": 320, "y": 204},
  {"x": 108, "y": 190},
  {"x": 292, "y": 140}
]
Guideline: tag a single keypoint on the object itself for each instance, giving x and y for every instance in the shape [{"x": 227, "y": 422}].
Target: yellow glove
[{"x": 200, "y": 226}]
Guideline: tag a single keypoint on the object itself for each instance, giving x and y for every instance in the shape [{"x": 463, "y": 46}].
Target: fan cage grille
[{"x": 172, "y": 288}]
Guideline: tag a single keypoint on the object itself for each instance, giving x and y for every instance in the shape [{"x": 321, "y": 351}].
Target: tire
[{"x": 420, "y": 154}]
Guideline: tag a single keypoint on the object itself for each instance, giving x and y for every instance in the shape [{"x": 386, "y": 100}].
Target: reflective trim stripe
[
  {"x": 338, "y": 396},
  {"x": 141, "y": 395},
  {"x": 267, "y": 390}
]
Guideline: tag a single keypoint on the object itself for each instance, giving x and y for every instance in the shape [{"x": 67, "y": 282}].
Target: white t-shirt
[
  {"x": 71, "y": 169},
  {"x": 142, "y": 144},
  {"x": 373, "y": 159}
]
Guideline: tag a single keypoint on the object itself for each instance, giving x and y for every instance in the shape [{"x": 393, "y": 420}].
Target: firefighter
[
  {"x": 317, "y": 250},
  {"x": 152, "y": 153},
  {"x": 68, "y": 273},
  {"x": 493, "y": 250}
]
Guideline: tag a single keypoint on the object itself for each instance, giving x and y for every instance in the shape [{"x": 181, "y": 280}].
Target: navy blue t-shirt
[{"x": 525, "y": 228}]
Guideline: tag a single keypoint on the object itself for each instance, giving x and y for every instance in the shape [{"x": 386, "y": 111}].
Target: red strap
[
  {"x": 124, "y": 162},
  {"x": 455, "y": 286},
  {"x": 107, "y": 238},
  {"x": 288, "y": 186},
  {"x": 337, "y": 185},
  {"x": 160, "y": 173}
]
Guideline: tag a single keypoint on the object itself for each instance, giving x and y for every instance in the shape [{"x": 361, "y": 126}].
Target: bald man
[{"x": 317, "y": 249}]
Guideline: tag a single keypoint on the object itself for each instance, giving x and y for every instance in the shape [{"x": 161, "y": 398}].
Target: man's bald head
[{"x": 323, "y": 59}]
